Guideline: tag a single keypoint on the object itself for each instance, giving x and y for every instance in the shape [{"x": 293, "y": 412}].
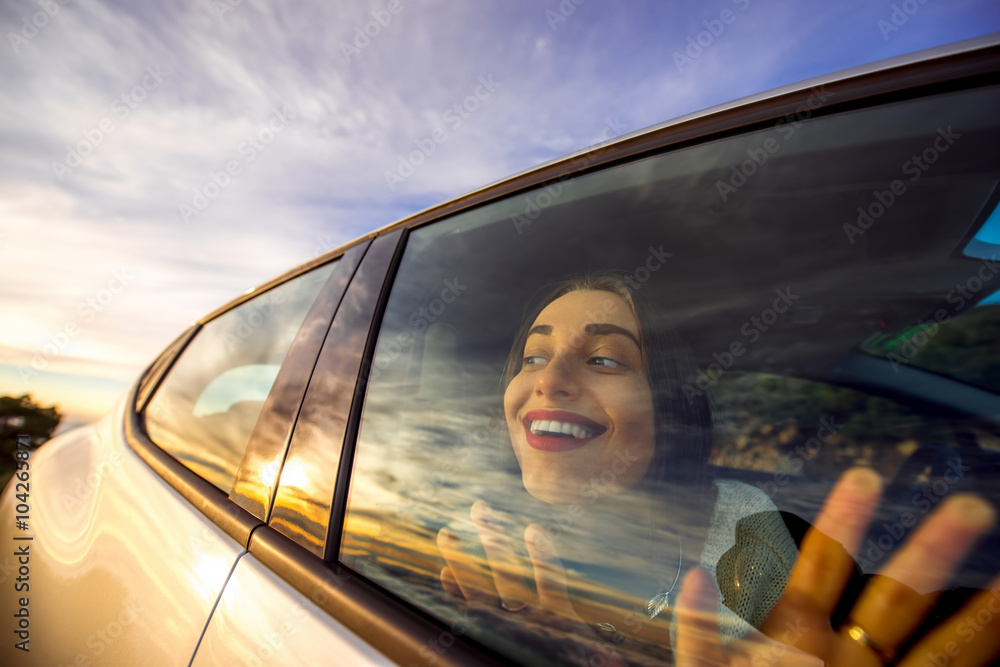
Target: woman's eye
[
  {"x": 605, "y": 361},
  {"x": 532, "y": 360}
]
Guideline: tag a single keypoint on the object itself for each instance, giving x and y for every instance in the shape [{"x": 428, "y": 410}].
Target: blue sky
[{"x": 161, "y": 158}]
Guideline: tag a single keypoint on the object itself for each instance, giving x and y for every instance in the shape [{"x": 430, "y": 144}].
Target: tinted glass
[
  {"x": 695, "y": 407},
  {"x": 204, "y": 411}
]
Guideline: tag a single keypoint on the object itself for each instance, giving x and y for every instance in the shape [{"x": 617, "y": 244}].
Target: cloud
[{"x": 116, "y": 115}]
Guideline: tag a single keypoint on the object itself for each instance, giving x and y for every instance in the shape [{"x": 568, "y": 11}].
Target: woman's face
[{"x": 580, "y": 411}]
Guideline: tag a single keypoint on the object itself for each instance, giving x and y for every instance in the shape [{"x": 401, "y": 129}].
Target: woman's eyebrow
[
  {"x": 608, "y": 329},
  {"x": 589, "y": 330},
  {"x": 541, "y": 329}
]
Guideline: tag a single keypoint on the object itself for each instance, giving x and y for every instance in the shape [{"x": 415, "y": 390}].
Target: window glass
[
  {"x": 204, "y": 411},
  {"x": 963, "y": 346},
  {"x": 581, "y": 393}
]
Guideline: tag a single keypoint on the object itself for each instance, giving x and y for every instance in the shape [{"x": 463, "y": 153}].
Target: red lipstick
[{"x": 555, "y": 443}]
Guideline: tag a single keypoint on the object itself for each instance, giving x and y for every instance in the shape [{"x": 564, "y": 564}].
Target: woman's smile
[
  {"x": 559, "y": 430},
  {"x": 581, "y": 401}
]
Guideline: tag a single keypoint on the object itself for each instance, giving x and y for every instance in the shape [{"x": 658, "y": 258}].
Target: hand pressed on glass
[
  {"x": 505, "y": 584},
  {"x": 889, "y": 610}
]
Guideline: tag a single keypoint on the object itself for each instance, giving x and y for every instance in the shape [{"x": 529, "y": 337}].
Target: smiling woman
[
  {"x": 581, "y": 399},
  {"x": 591, "y": 434}
]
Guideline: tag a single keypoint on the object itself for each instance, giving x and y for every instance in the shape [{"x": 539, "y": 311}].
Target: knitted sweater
[{"x": 749, "y": 553}]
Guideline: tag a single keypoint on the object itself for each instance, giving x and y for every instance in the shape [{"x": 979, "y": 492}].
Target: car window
[
  {"x": 655, "y": 366},
  {"x": 204, "y": 411}
]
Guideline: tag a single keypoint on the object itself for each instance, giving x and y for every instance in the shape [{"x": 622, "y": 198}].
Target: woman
[{"x": 594, "y": 405}]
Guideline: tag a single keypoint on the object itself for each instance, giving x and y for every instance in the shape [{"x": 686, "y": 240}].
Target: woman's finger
[
  {"x": 970, "y": 637},
  {"x": 449, "y": 583},
  {"x": 894, "y": 603},
  {"x": 698, "y": 622},
  {"x": 826, "y": 559},
  {"x": 550, "y": 577},
  {"x": 508, "y": 569},
  {"x": 825, "y": 563},
  {"x": 469, "y": 575}
]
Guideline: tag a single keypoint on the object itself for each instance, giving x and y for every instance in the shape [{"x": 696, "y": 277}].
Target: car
[{"x": 302, "y": 475}]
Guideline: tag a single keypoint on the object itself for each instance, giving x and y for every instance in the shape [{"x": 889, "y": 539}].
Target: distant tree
[{"x": 21, "y": 416}]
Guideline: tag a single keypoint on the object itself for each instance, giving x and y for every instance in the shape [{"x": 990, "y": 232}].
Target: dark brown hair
[{"x": 683, "y": 424}]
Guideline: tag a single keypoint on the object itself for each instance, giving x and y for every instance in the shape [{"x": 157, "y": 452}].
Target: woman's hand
[
  {"x": 887, "y": 612},
  {"x": 505, "y": 583}
]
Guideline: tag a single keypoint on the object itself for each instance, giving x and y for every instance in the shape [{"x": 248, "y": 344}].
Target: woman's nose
[{"x": 558, "y": 378}]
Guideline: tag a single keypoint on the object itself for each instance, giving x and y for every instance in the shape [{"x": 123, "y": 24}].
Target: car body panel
[
  {"x": 120, "y": 572},
  {"x": 261, "y": 620}
]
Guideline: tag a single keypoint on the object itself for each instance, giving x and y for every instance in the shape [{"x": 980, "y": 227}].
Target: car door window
[
  {"x": 204, "y": 411},
  {"x": 710, "y": 346}
]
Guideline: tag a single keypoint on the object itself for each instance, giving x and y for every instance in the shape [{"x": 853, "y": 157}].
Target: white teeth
[{"x": 564, "y": 428}]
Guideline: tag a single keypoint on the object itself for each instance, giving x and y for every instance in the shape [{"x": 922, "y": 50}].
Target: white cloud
[{"x": 320, "y": 181}]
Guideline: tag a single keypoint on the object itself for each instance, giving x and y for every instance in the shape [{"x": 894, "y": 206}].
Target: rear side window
[
  {"x": 665, "y": 365},
  {"x": 205, "y": 410}
]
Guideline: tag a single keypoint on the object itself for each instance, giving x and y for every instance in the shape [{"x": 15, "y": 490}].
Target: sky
[{"x": 159, "y": 159}]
